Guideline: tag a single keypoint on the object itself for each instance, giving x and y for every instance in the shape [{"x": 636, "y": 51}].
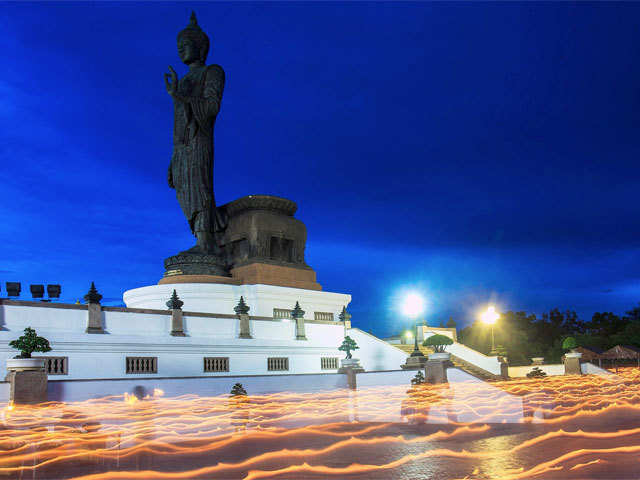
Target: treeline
[{"x": 521, "y": 336}]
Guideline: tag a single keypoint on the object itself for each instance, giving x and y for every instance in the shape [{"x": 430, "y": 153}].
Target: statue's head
[{"x": 193, "y": 43}]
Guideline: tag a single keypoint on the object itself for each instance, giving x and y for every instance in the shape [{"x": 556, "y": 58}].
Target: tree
[
  {"x": 348, "y": 344},
  {"x": 569, "y": 343},
  {"x": 633, "y": 315},
  {"x": 29, "y": 343},
  {"x": 438, "y": 342},
  {"x": 451, "y": 323}
]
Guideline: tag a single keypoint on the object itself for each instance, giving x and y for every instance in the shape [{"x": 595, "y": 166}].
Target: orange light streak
[{"x": 334, "y": 434}]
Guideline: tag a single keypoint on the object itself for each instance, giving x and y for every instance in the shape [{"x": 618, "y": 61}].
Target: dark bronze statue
[
  {"x": 196, "y": 101},
  {"x": 231, "y": 238}
]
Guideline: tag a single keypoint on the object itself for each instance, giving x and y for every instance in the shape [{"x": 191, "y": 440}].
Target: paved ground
[{"x": 555, "y": 428}]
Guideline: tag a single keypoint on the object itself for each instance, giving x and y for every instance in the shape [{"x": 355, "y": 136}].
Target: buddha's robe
[{"x": 191, "y": 168}]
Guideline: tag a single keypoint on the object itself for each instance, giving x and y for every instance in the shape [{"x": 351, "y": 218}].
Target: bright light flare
[
  {"x": 413, "y": 305},
  {"x": 490, "y": 316},
  {"x": 408, "y": 334}
]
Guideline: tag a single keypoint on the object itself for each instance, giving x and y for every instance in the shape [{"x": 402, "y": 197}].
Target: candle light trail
[{"x": 571, "y": 426}]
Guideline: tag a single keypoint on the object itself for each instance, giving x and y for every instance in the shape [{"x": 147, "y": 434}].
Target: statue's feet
[{"x": 194, "y": 249}]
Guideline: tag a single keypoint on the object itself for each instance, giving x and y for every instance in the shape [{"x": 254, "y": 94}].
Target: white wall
[
  {"x": 68, "y": 391},
  {"x": 590, "y": 368},
  {"x": 221, "y": 298},
  {"x": 376, "y": 354},
  {"x": 148, "y": 334}
]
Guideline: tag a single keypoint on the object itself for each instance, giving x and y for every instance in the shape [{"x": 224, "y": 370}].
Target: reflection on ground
[{"x": 558, "y": 427}]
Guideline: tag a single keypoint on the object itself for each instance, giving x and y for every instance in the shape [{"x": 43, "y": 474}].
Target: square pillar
[
  {"x": 27, "y": 387},
  {"x": 94, "y": 319},
  {"x": 177, "y": 324},
  {"x": 245, "y": 327},
  {"x": 572, "y": 363},
  {"x": 94, "y": 311},
  {"x": 242, "y": 311},
  {"x": 298, "y": 315},
  {"x": 436, "y": 368}
]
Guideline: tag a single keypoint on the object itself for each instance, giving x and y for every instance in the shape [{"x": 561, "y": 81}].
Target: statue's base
[
  {"x": 187, "y": 263},
  {"x": 282, "y": 276},
  {"x": 251, "y": 274},
  {"x": 168, "y": 279}
]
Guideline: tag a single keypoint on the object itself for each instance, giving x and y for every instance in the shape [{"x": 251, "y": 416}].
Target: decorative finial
[
  {"x": 194, "y": 20},
  {"x": 92, "y": 295},
  {"x": 174, "y": 302},
  {"x": 242, "y": 308},
  {"x": 297, "y": 312},
  {"x": 344, "y": 315}
]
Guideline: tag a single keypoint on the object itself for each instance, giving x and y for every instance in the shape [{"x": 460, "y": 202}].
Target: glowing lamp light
[
  {"x": 490, "y": 316},
  {"x": 413, "y": 305},
  {"x": 408, "y": 334}
]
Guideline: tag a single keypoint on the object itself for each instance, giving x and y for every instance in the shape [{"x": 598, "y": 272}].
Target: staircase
[{"x": 457, "y": 362}]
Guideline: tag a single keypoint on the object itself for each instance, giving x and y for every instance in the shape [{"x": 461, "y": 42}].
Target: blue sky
[{"x": 471, "y": 151}]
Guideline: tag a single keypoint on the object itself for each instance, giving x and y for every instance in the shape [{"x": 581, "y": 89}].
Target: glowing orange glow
[{"x": 585, "y": 427}]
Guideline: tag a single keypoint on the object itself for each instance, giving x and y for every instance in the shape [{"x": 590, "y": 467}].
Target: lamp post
[
  {"x": 412, "y": 307},
  {"x": 490, "y": 317}
]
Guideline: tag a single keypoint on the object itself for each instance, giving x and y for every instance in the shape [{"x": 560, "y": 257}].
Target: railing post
[
  {"x": 177, "y": 323},
  {"x": 94, "y": 310},
  {"x": 242, "y": 311},
  {"x": 298, "y": 315}
]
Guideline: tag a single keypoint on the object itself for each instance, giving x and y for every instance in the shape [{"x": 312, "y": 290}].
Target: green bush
[
  {"x": 569, "y": 343},
  {"x": 438, "y": 342},
  {"x": 348, "y": 344},
  {"x": 30, "y": 342}
]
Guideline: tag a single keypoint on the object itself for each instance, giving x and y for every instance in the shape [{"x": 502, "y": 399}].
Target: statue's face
[{"x": 188, "y": 51}]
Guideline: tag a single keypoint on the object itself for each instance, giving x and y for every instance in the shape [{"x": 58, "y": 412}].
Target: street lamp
[
  {"x": 490, "y": 317},
  {"x": 408, "y": 335},
  {"x": 413, "y": 306}
]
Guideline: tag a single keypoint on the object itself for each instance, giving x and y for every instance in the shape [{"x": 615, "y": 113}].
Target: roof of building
[{"x": 623, "y": 351}]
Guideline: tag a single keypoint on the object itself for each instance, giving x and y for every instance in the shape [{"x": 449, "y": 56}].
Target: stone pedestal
[
  {"x": 177, "y": 325},
  {"x": 285, "y": 276},
  {"x": 245, "y": 328},
  {"x": 414, "y": 363},
  {"x": 350, "y": 363},
  {"x": 351, "y": 367},
  {"x": 504, "y": 369},
  {"x": 300, "y": 331},
  {"x": 351, "y": 378},
  {"x": 572, "y": 363},
  {"x": 94, "y": 320},
  {"x": 436, "y": 368},
  {"x": 537, "y": 361},
  {"x": 28, "y": 381}
]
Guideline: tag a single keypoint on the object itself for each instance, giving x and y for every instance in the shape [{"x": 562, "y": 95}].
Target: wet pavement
[{"x": 555, "y": 428}]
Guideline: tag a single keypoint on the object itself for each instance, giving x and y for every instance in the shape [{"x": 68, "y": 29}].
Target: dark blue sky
[{"x": 472, "y": 152}]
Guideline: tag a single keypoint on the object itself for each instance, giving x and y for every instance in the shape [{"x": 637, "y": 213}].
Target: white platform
[
  {"x": 212, "y": 328},
  {"x": 222, "y": 298}
]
